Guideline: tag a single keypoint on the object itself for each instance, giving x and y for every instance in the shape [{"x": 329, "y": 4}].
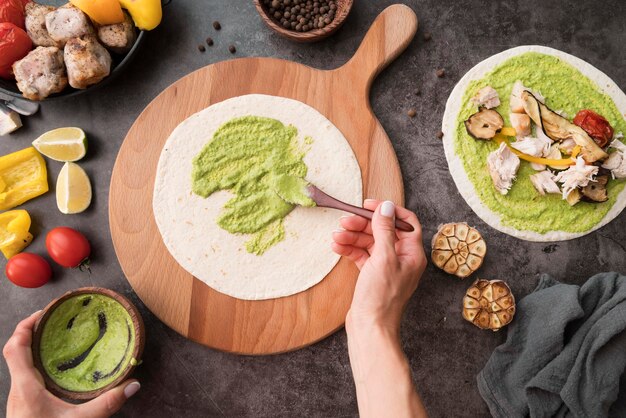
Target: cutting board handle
[{"x": 389, "y": 35}]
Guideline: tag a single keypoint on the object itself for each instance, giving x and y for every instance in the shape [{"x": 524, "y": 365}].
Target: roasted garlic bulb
[
  {"x": 458, "y": 249},
  {"x": 489, "y": 304}
]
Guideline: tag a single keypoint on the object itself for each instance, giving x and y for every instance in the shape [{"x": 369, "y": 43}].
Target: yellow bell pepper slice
[
  {"x": 538, "y": 160},
  {"x": 103, "y": 12},
  {"x": 146, "y": 14},
  {"x": 23, "y": 176},
  {"x": 507, "y": 131},
  {"x": 14, "y": 235}
]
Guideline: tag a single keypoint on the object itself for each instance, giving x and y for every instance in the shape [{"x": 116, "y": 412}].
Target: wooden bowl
[
  {"x": 314, "y": 35},
  {"x": 137, "y": 349}
]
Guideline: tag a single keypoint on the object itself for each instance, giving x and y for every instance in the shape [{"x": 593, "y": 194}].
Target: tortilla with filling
[
  {"x": 188, "y": 222},
  {"x": 516, "y": 218}
]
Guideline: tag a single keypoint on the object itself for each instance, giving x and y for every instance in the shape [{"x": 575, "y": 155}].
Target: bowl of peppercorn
[{"x": 304, "y": 20}]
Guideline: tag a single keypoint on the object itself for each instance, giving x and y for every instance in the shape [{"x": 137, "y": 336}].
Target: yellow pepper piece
[
  {"x": 145, "y": 13},
  {"x": 506, "y": 131},
  {"x": 576, "y": 151},
  {"x": 538, "y": 160},
  {"x": 14, "y": 235},
  {"x": 23, "y": 176},
  {"x": 103, "y": 12}
]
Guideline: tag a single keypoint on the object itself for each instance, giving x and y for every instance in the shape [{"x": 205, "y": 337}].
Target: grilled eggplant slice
[
  {"x": 484, "y": 124},
  {"x": 595, "y": 191},
  {"x": 558, "y": 128},
  {"x": 574, "y": 197}
]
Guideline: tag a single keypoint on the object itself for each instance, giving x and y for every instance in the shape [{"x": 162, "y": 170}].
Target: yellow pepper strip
[
  {"x": 23, "y": 176},
  {"x": 103, "y": 12},
  {"x": 506, "y": 131},
  {"x": 146, "y": 14},
  {"x": 538, "y": 160},
  {"x": 576, "y": 151},
  {"x": 14, "y": 235}
]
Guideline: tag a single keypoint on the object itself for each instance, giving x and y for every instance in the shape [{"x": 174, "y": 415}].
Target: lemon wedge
[
  {"x": 62, "y": 144},
  {"x": 73, "y": 189}
]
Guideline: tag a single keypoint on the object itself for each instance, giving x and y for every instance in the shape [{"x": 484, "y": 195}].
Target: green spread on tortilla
[
  {"x": 87, "y": 342},
  {"x": 260, "y": 161},
  {"x": 566, "y": 89}
]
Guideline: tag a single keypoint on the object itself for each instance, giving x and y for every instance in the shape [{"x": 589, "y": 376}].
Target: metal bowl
[{"x": 119, "y": 63}]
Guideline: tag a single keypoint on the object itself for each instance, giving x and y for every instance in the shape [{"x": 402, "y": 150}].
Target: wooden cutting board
[{"x": 186, "y": 304}]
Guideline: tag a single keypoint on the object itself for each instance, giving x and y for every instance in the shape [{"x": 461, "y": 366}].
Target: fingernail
[
  {"x": 346, "y": 216},
  {"x": 387, "y": 209},
  {"x": 36, "y": 312},
  {"x": 338, "y": 231},
  {"x": 369, "y": 200},
  {"x": 131, "y": 389}
]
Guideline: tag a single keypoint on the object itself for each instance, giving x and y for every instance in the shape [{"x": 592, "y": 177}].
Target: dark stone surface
[{"x": 181, "y": 378}]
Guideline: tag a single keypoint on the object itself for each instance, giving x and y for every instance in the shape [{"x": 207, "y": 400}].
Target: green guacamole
[
  {"x": 260, "y": 161},
  {"x": 565, "y": 88},
  {"x": 87, "y": 342}
]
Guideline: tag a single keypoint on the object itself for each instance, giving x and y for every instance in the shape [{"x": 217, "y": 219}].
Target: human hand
[
  {"x": 28, "y": 396},
  {"x": 391, "y": 263}
]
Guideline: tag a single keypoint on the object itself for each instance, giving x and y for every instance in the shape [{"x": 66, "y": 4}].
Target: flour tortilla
[
  {"x": 187, "y": 222},
  {"x": 463, "y": 183}
]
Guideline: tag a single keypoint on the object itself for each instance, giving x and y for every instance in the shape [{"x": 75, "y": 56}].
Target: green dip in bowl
[{"x": 87, "y": 341}]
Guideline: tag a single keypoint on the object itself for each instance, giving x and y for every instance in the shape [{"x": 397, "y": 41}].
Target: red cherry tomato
[
  {"x": 13, "y": 11},
  {"x": 68, "y": 247},
  {"x": 14, "y": 45},
  {"x": 595, "y": 125},
  {"x": 28, "y": 270}
]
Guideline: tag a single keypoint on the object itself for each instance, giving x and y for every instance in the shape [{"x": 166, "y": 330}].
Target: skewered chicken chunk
[
  {"x": 87, "y": 61},
  {"x": 489, "y": 304},
  {"x": 458, "y": 249},
  {"x": 67, "y": 22},
  {"x": 36, "y": 24},
  {"x": 120, "y": 37},
  {"x": 40, "y": 73}
]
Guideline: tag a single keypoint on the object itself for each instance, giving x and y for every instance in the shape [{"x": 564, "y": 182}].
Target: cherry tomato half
[
  {"x": 13, "y": 11},
  {"x": 68, "y": 247},
  {"x": 595, "y": 125},
  {"x": 28, "y": 270},
  {"x": 14, "y": 45}
]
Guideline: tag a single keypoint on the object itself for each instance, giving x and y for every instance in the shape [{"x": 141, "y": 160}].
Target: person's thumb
[
  {"x": 109, "y": 402},
  {"x": 383, "y": 226}
]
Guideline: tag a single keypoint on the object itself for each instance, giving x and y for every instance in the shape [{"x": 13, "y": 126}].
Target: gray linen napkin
[{"x": 564, "y": 355}]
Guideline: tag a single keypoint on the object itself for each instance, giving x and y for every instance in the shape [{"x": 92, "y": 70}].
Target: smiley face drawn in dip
[{"x": 87, "y": 342}]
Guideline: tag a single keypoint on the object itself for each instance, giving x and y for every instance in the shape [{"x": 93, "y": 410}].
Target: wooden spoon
[{"x": 323, "y": 200}]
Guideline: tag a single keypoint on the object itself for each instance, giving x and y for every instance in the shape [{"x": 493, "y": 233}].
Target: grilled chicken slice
[
  {"x": 487, "y": 97},
  {"x": 516, "y": 102},
  {"x": 537, "y": 147},
  {"x": 40, "y": 73},
  {"x": 36, "y": 24},
  {"x": 87, "y": 61},
  {"x": 120, "y": 37},
  {"x": 616, "y": 162},
  {"x": 521, "y": 123},
  {"x": 503, "y": 166},
  {"x": 67, "y": 22},
  {"x": 544, "y": 183},
  {"x": 576, "y": 176}
]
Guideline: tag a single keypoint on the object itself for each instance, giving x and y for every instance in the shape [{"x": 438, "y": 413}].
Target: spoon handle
[{"x": 324, "y": 200}]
